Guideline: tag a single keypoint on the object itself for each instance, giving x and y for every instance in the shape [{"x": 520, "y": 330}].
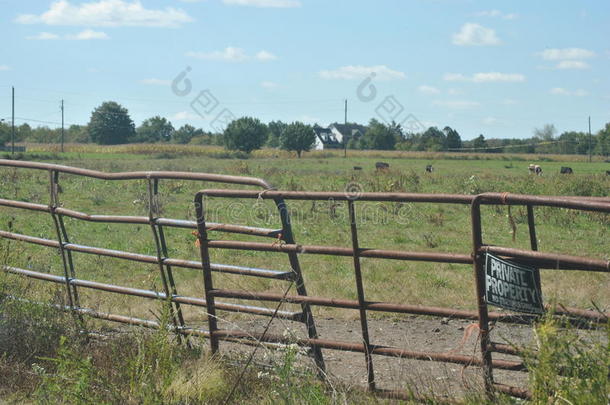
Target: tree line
[{"x": 110, "y": 124}]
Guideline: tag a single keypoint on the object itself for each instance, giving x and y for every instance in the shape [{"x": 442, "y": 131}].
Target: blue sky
[{"x": 493, "y": 67}]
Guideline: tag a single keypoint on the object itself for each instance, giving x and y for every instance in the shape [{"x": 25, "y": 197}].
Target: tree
[
  {"x": 275, "y": 131},
  {"x": 110, "y": 124},
  {"x": 297, "y": 137},
  {"x": 546, "y": 133},
  {"x": 479, "y": 142},
  {"x": 185, "y": 134},
  {"x": 453, "y": 139},
  {"x": 245, "y": 134},
  {"x": 78, "y": 134},
  {"x": 602, "y": 141},
  {"x": 154, "y": 129},
  {"x": 379, "y": 136},
  {"x": 433, "y": 139},
  {"x": 5, "y": 133}
]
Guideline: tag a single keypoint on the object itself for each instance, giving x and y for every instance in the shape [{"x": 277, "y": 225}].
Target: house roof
[{"x": 349, "y": 129}]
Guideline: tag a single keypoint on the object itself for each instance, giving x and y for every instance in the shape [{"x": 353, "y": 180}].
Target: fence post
[
  {"x": 288, "y": 237},
  {"x": 53, "y": 203},
  {"x": 361, "y": 299},
  {"x": 479, "y": 274},
  {"x": 202, "y": 237},
  {"x": 153, "y": 211}
]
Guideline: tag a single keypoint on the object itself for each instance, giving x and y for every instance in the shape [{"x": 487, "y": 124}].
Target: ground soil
[{"x": 415, "y": 333}]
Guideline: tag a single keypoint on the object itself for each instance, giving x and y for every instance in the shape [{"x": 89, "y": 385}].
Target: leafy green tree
[
  {"x": 479, "y": 142},
  {"x": 275, "y": 131},
  {"x": 245, "y": 134},
  {"x": 379, "y": 136},
  {"x": 573, "y": 142},
  {"x": 602, "y": 141},
  {"x": 110, "y": 124},
  {"x": 5, "y": 133},
  {"x": 78, "y": 134},
  {"x": 453, "y": 139},
  {"x": 297, "y": 137},
  {"x": 153, "y": 130},
  {"x": 185, "y": 134},
  {"x": 433, "y": 139}
]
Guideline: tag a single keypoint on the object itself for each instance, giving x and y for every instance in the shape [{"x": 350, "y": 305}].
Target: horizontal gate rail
[
  {"x": 137, "y": 292},
  {"x": 141, "y": 258},
  {"x": 143, "y": 175}
]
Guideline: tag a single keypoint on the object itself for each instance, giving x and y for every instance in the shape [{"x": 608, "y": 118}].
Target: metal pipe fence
[{"x": 284, "y": 242}]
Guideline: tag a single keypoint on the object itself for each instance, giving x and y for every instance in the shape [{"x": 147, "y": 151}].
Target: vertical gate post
[
  {"x": 361, "y": 299},
  {"x": 153, "y": 212},
  {"x": 53, "y": 203},
  {"x": 533, "y": 239},
  {"x": 479, "y": 274},
  {"x": 288, "y": 237},
  {"x": 202, "y": 237}
]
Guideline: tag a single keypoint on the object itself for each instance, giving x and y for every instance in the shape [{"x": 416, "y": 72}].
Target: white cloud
[
  {"x": 456, "y": 104},
  {"x": 475, "y": 35},
  {"x": 560, "y": 91},
  {"x": 380, "y": 72},
  {"x": 107, "y": 13},
  {"x": 454, "y": 92},
  {"x": 81, "y": 36},
  {"x": 184, "y": 115},
  {"x": 156, "y": 82},
  {"x": 572, "y": 64},
  {"x": 44, "y": 36},
  {"x": 269, "y": 85},
  {"x": 428, "y": 89},
  {"x": 88, "y": 34},
  {"x": 231, "y": 54},
  {"x": 490, "y": 120},
  {"x": 4, "y": 68},
  {"x": 264, "y": 3},
  {"x": 567, "y": 54},
  {"x": 264, "y": 55},
  {"x": 497, "y": 13},
  {"x": 487, "y": 77}
]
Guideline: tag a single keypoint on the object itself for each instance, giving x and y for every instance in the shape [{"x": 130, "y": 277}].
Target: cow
[
  {"x": 357, "y": 168},
  {"x": 382, "y": 166},
  {"x": 566, "y": 170},
  {"x": 538, "y": 170},
  {"x": 429, "y": 169},
  {"x": 607, "y": 172},
  {"x": 532, "y": 168}
]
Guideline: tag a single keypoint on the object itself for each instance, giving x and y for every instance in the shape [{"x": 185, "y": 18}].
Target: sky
[{"x": 496, "y": 68}]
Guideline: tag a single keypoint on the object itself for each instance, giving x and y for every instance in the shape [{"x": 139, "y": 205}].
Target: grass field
[{"x": 423, "y": 227}]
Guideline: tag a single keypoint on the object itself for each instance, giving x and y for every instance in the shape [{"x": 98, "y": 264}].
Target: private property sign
[{"x": 512, "y": 286}]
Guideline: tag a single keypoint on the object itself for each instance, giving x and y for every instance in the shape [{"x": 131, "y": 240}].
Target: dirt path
[{"x": 414, "y": 333}]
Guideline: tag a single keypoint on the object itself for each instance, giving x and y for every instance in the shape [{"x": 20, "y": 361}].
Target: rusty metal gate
[{"x": 283, "y": 242}]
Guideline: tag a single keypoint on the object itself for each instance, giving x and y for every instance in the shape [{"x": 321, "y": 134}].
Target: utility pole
[
  {"x": 62, "y": 126},
  {"x": 344, "y": 140},
  {"x": 13, "y": 123},
  {"x": 589, "y": 139}
]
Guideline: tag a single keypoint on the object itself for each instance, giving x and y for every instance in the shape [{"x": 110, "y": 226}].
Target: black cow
[
  {"x": 607, "y": 172},
  {"x": 357, "y": 168},
  {"x": 566, "y": 170},
  {"x": 429, "y": 169},
  {"x": 382, "y": 166}
]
